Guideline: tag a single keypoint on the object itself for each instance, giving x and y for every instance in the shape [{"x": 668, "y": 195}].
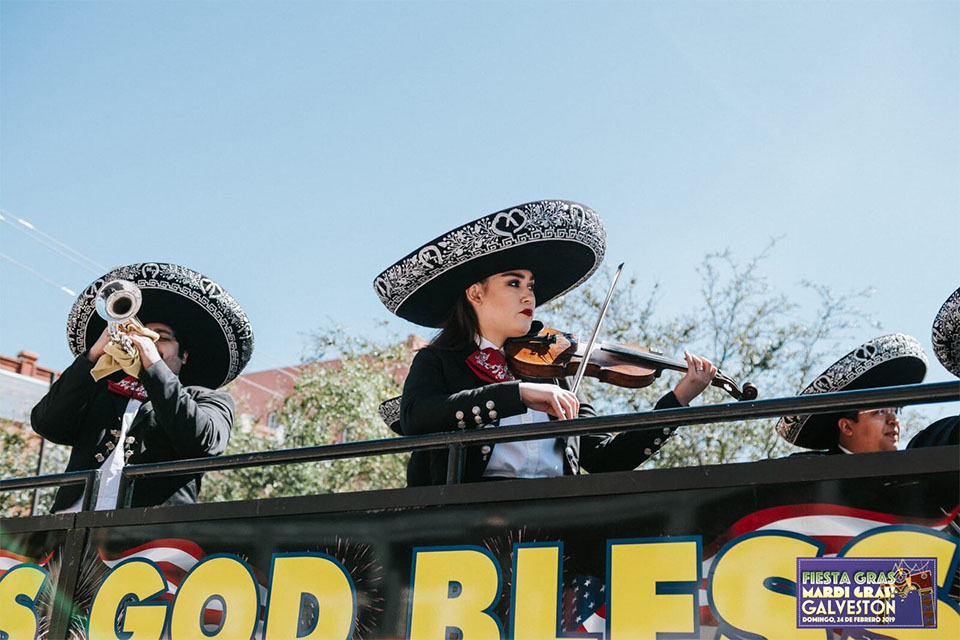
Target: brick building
[
  {"x": 260, "y": 395},
  {"x": 22, "y": 384}
]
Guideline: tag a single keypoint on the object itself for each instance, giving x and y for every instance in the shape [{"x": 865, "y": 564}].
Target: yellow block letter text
[
  {"x": 19, "y": 588},
  {"x": 140, "y": 579},
  {"x": 225, "y": 579},
  {"x": 739, "y": 587},
  {"x": 320, "y": 577},
  {"x": 635, "y": 570},
  {"x": 454, "y": 591}
]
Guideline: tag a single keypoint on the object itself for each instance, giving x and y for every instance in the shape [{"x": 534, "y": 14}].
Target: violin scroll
[{"x": 749, "y": 390}]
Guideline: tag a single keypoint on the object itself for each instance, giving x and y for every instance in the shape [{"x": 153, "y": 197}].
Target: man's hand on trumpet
[
  {"x": 97, "y": 349},
  {"x": 147, "y": 348},
  {"x": 144, "y": 339}
]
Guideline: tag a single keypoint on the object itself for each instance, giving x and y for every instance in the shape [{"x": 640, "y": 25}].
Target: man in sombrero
[
  {"x": 882, "y": 362},
  {"x": 157, "y": 403}
]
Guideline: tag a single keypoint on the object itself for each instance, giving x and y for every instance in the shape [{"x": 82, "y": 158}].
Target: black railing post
[
  {"x": 125, "y": 490},
  {"x": 91, "y": 488},
  {"x": 455, "y": 455},
  {"x": 36, "y": 492},
  {"x": 66, "y": 586}
]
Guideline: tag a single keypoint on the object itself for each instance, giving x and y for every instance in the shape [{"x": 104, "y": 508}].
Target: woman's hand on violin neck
[
  {"x": 551, "y": 399},
  {"x": 700, "y": 372}
]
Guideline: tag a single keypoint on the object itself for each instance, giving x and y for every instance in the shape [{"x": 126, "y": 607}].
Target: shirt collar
[{"x": 486, "y": 344}]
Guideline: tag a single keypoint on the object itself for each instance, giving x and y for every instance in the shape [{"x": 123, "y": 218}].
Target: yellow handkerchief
[{"x": 115, "y": 358}]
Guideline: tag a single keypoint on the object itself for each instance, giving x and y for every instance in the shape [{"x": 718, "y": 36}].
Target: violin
[{"x": 550, "y": 353}]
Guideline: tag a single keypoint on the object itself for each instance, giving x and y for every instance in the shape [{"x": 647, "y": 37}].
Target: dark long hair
[{"x": 460, "y": 327}]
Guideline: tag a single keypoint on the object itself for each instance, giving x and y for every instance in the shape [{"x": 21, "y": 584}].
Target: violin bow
[{"x": 596, "y": 330}]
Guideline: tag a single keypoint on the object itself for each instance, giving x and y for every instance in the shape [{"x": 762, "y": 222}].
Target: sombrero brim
[
  {"x": 946, "y": 334},
  {"x": 557, "y": 267},
  {"x": 209, "y": 322},
  {"x": 887, "y": 361},
  {"x": 561, "y": 242},
  {"x": 389, "y": 412}
]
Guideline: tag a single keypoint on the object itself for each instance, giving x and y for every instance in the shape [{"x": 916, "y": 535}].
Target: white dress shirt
[
  {"x": 112, "y": 467},
  {"x": 527, "y": 459}
]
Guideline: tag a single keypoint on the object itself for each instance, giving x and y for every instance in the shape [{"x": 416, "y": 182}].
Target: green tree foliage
[
  {"x": 335, "y": 400},
  {"x": 742, "y": 324},
  {"x": 21, "y": 453}
]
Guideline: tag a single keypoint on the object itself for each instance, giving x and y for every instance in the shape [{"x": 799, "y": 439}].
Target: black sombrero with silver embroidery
[
  {"x": 886, "y": 361},
  {"x": 210, "y": 323},
  {"x": 561, "y": 242},
  {"x": 946, "y": 334}
]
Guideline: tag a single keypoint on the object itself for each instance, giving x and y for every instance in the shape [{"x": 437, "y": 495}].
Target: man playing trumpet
[{"x": 146, "y": 393}]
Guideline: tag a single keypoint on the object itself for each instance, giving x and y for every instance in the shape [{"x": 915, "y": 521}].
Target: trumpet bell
[{"x": 118, "y": 301}]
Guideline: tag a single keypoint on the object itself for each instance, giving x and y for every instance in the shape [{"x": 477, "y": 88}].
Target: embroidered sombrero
[
  {"x": 210, "y": 323},
  {"x": 561, "y": 242},
  {"x": 389, "y": 412},
  {"x": 946, "y": 334},
  {"x": 886, "y": 361}
]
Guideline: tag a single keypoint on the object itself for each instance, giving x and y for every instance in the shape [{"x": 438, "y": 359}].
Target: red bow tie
[
  {"x": 129, "y": 387},
  {"x": 489, "y": 365}
]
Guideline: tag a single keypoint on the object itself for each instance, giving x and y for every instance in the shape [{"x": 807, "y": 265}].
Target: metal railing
[
  {"x": 89, "y": 479},
  {"x": 457, "y": 441}
]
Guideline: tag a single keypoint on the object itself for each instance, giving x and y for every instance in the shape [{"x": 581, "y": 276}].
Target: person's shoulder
[
  {"x": 196, "y": 391},
  {"x": 943, "y": 432},
  {"x": 431, "y": 353}
]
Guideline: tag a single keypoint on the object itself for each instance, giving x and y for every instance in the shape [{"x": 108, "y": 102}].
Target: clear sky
[{"x": 292, "y": 150}]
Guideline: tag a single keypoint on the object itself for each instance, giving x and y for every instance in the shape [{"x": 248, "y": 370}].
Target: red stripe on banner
[
  {"x": 706, "y": 617},
  {"x": 598, "y": 615},
  {"x": 185, "y": 546},
  {"x": 764, "y": 517},
  {"x": 17, "y": 557}
]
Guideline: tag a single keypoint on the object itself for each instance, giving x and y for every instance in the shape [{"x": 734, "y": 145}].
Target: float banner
[
  {"x": 606, "y": 556},
  {"x": 857, "y": 593}
]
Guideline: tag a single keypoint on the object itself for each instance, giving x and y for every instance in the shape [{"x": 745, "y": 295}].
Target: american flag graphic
[
  {"x": 9, "y": 559},
  {"x": 588, "y": 595},
  {"x": 831, "y": 524}
]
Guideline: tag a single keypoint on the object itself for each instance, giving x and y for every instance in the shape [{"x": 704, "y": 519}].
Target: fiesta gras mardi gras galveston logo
[{"x": 897, "y": 593}]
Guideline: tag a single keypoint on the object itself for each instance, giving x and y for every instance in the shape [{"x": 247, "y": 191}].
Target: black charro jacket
[
  {"x": 440, "y": 387},
  {"x": 175, "y": 423},
  {"x": 942, "y": 433}
]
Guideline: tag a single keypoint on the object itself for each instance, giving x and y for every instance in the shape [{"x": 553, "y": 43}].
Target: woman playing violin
[{"x": 461, "y": 380}]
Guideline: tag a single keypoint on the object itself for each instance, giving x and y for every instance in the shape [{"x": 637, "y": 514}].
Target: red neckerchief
[
  {"x": 129, "y": 387},
  {"x": 489, "y": 365}
]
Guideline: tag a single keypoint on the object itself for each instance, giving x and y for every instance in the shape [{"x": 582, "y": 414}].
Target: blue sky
[{"x": 292, "y": 150}]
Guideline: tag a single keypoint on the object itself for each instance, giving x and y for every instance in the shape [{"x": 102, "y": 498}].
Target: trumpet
[{"x": 118, "y": 302}]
